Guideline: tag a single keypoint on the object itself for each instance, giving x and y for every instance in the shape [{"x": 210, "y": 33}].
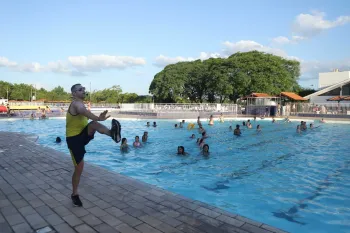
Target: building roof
[
  {"x": 292, "y": 96},
  {"x": 327, "y": 89},
  {"x": 256, "y": 95},
  {"x": 339, "y": 98}
]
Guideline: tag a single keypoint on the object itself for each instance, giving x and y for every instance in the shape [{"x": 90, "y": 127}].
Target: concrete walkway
[{"x": 35, "y": 188}]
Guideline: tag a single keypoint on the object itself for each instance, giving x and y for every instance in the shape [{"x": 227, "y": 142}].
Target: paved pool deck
[{"x": 35, "y": 188}]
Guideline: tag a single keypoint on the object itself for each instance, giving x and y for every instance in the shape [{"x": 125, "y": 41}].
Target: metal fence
[
  {"x": 171, "y": 107},
  {"x": 323, "y": 108}
]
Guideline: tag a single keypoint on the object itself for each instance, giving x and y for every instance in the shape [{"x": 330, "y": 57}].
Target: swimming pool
[{"x": 299, "y": 183}]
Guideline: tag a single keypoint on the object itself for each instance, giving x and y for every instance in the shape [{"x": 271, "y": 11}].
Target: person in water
[
  {"x": 230, "y": 128},
  {"x": 137, "y": 142},
  {"x": 148, "y": 125},
  {"x": 180, "y": 125},
  {"x": 124, "y": 146},
  {"x": 211, "y": 120},
  {"x": 193, "y": 136},
  {"x": 181, "y": 150},
  {"x": 58, "y": 140},
  {"x": 322, "y": 121},
  {"x": 298, "y": 129},
  {"x": 222, "y": 119},
  {"x": 258, "y": 129},
  {"x": 249, "y": 125},
  {"x": 237, "y": 131},
  {"x": 176, "y": 126},
  {"x": 205, "y": 150},
  {"x": 201, "y": 143},
  {"x": 145, "y": 136},
  {"x": 154, "y": 124},
  {"x": 79, "y": 132}
]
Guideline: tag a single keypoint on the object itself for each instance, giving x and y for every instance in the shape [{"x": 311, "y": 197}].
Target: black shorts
[{"x": 76, "y": 145}]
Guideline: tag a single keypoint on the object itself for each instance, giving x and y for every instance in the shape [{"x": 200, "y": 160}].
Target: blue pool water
[{"x": 299, "y": 183}]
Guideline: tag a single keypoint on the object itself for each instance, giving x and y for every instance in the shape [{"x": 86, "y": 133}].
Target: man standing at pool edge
[{"x": 79, "y": 132}]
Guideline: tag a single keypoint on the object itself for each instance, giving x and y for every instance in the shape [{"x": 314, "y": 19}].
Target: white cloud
[
  {"x": 100, "y": 62},
  {"x": 162, "y": 61},
  {"x": 310, "y": 69},
  {"x": 309, "y": 25},
  {"x": 4, "y": 62},
  {"x": 249, "y": 45},
  {"x": 76, "y": 65},
  {"x": 281, "y": 40},
  {"x": 33, "y": 67}
]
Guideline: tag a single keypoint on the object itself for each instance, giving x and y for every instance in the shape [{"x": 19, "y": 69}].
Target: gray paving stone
[
  {"x": 62, "y": 211},
  {"x": 14, "y": 197},
  {"x": 247, "y": 220},
  {"x": 79, "y": 212},
  {"x": 20, "y": 203},
  {"x": 115, "y": 212},
  {"x": 8, "y": 210},
  {"x": 5, "y": 227},
  {"x": 44, "y": 210},
  {"x": 91, "y": 220},
  {"x": 150, "y": 220},
  {"x": 230, "y": 229},
  {"x": 110, "y": 220},
  {"x": 84, "y": 229},
  {"x": 167, "y": 229},
  {"x": 231, "y": 221},
  {"x": 210, "y": 221},
  {"x": 27, "y": 210},
  {"x": 131, "y": 221},
  {"x": 188, "y": 229},
  {"x": 170, "y": 221},
  {"x": 36, "y": 221},
  {"x": 145, "y": 228},
  {"x": 254, "y": 229},
  {"x": 207, "y": 212},
  {"x": 125, "y": 228},
  {"x": 36, "y": 202},
  {"x": 4, "y": 203},
  {"x": 22, "y": 228},
  {"x": 64, "y": 228},
  {"x": 72, "y": 220},
  {"x": 273, "y": 229},
  {"x": 14, "y": 219},
  {"x": 53, "y": 219},
  {"x": 97, "y": 211},
  {"x": 105, "y": 228}
]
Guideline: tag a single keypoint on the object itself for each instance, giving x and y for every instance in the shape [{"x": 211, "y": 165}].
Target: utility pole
[
  {"x": 31, "y": 92},
  {"x": 90, "y": 92}
]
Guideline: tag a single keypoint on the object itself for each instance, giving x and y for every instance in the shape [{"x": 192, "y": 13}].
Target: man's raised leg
[{"x": 96, "y": 126}]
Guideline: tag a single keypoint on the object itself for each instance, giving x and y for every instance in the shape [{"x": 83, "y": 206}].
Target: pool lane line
[{"x": 290, "y": 214}]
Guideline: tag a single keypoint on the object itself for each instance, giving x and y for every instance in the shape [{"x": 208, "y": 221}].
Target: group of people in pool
[
  {"x": 200, "y": 141},
  {"x": 124, "y": 145}
]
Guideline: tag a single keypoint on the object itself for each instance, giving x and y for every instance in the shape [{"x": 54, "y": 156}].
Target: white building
[{"x": 331, "y": 84}]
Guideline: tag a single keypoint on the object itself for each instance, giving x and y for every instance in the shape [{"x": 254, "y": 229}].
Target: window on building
[
  {"x": 334, "y": 92},
  {"x": 346, "y": 89}
]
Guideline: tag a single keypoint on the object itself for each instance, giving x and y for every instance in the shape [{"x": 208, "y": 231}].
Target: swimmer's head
[
  {"x": 203, "y": 134},
  {"x": 258, "y": 126},
  {"x": 148, "y": 123},
  {"x": 180, "y": 150},
  {"x": 206, "y": 148},
  {"x": 145, "y": 133},
  {"x": 237, "y": 126},
  {"x": 193, "y": 136},
  {"x": 58, "y": 140},
  {"x": 175, "y": 125},
  {"x": 183, "y": 121},
  {"x": 137, "y": 138},
  {"x": 124, "y": 141}
]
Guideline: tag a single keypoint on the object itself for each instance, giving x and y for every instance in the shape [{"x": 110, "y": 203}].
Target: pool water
[{"x": 299, "y": 183}]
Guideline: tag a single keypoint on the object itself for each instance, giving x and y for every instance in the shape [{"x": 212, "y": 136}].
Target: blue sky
[{"x": 51, "y": 43}]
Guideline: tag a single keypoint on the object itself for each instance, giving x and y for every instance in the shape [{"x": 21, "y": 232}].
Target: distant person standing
[{"x": 79, "y": 132}]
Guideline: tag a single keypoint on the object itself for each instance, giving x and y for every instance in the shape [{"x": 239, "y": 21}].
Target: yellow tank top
[{"x": 75, "y": 124}]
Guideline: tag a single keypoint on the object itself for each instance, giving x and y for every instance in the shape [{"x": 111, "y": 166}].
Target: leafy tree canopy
[{"x": 225, "y": 79}]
